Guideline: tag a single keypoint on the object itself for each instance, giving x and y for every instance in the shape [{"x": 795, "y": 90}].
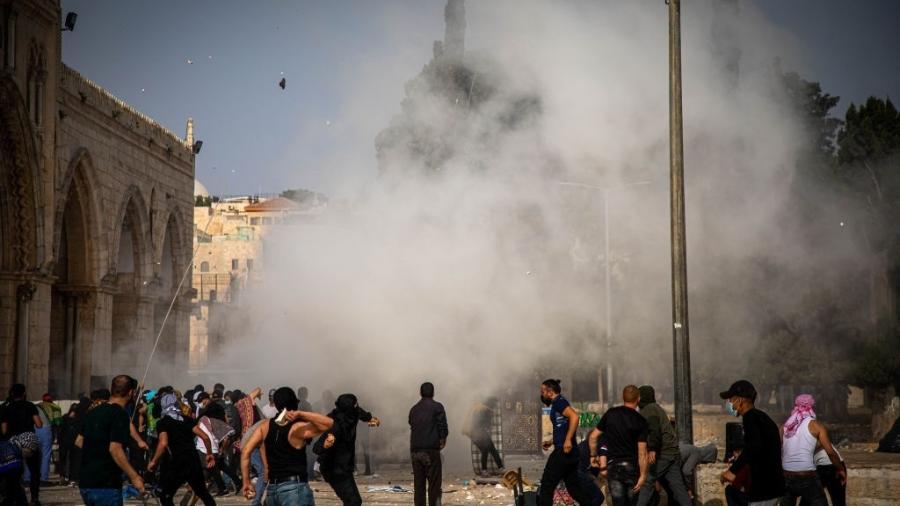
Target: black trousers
[
  {"x": 34, "y": 467},
  {"x": 14, "y": 494},
  {"x": 175, "y": 474},
  {"x": 344, "y": 487},
  {"x": 426, "y": 466},
  {"x": 486, "y": 447},
  {"x": 832, "y": 483},
  {"x": 563, "y": 467}
]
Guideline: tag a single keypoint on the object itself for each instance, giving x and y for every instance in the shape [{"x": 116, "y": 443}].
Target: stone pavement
[{"x": 874, "y": 481}]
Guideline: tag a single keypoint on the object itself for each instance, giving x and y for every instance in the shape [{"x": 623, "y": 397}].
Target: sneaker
[{"x": 186, "y": 500}]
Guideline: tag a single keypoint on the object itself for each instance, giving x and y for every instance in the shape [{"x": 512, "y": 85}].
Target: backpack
[{"x": 10, "y": 457}]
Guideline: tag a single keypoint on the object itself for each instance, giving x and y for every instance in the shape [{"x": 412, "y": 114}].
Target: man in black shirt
[
  {"x": 428, "y": 436},
  {"x": 762, "y": 447},
  {"x": 106, "y": 433},
  {"x": 176, "y": 450},
  {"x": 625, "y": 432},
  {"x": 21, "y": 416}
]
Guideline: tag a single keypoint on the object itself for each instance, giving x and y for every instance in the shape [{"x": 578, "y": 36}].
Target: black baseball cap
[{"x": 740, "y": 388}]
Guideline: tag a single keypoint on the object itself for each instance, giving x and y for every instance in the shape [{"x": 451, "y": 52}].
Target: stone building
[
  {"x": 95, "y": 209},
  {"x": 229, "y": 238}
]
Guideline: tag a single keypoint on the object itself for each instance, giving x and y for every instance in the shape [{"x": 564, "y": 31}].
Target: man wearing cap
[{"x": 762, "y": 447}]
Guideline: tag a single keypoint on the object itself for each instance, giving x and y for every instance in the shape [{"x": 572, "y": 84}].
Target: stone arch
[
  {"x": 132, "y": 216},
  {"x": 171, "y": 264},
  {"x": 21, "y": 216},
  {"x": 76, "y": 188},
  {"x": 76, "y": 275},
  {"x": 172, "y": 246},
  {"x": 130, "y": 254}
]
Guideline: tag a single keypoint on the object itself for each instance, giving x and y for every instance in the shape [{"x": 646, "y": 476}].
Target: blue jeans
[
  {"x": 101, "y": 496},
  {"x": 292, "y": 493},
  {"x": 257, "y": 464}
]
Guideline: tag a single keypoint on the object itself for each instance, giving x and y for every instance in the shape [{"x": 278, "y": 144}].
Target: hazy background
[
  {"x": 273, "y": 139},
  {"x": 481, "y": 267}
]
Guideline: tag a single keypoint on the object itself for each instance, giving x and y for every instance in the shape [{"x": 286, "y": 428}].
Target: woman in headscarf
[
  {"x": 175, "y": 451},
  {"x": 802, "y": 434},
  {"x": 337, "y": 448}
]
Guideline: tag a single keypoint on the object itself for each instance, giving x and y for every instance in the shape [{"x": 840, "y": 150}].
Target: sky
[{"x": 346, "y": 62}]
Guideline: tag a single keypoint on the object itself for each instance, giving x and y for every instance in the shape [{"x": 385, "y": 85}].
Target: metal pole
[
  {"x": 680, "y": 334},
  {"x": 610, "y": 391}
]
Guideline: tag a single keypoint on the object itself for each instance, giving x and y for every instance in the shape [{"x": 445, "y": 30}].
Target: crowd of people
[{"x": 224, "y": 442}]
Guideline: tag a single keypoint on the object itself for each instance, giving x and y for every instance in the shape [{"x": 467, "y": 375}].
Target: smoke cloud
[{"x": 476, "y": 258}]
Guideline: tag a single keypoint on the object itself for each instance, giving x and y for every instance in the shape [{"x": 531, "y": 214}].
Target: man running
[
  {"x": 562, "y": 465},
  {"x": 106, "y": 433},
  {"x": 664, "y": 457},
  {"x": 284, "y": 448},
  {"x": 176, "y": 450}
]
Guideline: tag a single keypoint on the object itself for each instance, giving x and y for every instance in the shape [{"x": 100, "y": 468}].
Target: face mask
[
  {"x": 729, "y": 407},
  {"x": 546, "y": 400}
]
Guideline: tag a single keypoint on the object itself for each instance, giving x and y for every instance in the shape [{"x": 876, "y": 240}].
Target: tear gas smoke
[{"x": 473, "y": 263}]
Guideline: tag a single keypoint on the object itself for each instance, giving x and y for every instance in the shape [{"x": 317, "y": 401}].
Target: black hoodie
[{"x": 340, "y": 459}]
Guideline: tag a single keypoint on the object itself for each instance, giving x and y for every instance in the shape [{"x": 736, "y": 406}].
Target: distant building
[
  {"x": 95, "y": 203},
  {"x": 229, "y": 239}
]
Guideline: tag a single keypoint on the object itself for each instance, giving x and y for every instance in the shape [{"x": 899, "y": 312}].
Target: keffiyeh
[
  {"x": 803, "y": 409},
  {"x": 170, "y": 407}
]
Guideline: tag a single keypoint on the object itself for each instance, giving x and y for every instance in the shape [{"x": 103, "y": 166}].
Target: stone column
[
  {"x": 84, "y": 308},
  {"x": 100, "y": 348},
  {"x": 24, "y": 294}
]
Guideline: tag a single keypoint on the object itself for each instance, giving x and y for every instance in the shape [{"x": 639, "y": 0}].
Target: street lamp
[{"x": 610, "y": 393}]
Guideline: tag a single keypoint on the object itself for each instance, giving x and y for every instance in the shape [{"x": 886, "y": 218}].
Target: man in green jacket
[{"x": 662, "y": 446}]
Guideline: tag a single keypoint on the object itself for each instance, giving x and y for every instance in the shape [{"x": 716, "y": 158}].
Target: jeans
[
  {"x": 101, "y": 496},
  {"x": 426, "y": 466},
  {"x": 562, "y": 466},
  {"x": 291, "y": 493},
  {"x": 257, "y": 464},
  {"x": 666, "y": 470},
  {"x": 622, "y": 476},
  {"x": 808, "y": 488}
]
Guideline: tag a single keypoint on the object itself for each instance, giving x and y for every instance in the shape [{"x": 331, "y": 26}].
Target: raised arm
[{"x": 316, "y": 424}]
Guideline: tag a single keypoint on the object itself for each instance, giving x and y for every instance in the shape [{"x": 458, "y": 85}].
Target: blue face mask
[{"x": 729, "y": 407}]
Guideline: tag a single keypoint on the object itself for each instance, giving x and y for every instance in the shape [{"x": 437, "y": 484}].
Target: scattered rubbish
[{"x": 396, "y": 489}]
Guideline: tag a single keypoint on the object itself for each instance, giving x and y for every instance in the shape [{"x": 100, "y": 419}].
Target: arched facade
[{"x": 91, "y": 196}]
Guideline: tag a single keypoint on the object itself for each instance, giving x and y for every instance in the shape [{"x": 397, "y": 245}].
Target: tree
[{"x": 303, "y": 196}]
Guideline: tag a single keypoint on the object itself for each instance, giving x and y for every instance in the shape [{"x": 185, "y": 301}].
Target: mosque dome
[{"x": 199, "y": 189}]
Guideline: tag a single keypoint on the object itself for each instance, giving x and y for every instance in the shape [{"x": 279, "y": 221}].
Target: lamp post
[
  {"x": 610, "y": 393},
  {"x": 680, "y": 334}
]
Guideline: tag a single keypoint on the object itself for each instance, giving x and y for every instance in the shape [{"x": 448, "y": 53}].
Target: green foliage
[
  {"x": 877, "y": 364},
  {"x": 813, "y": 107},
  {"x": 871, "y": 132},
  {"x": 201, "y": 201},
  {"x": 303, "y": 196}
]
